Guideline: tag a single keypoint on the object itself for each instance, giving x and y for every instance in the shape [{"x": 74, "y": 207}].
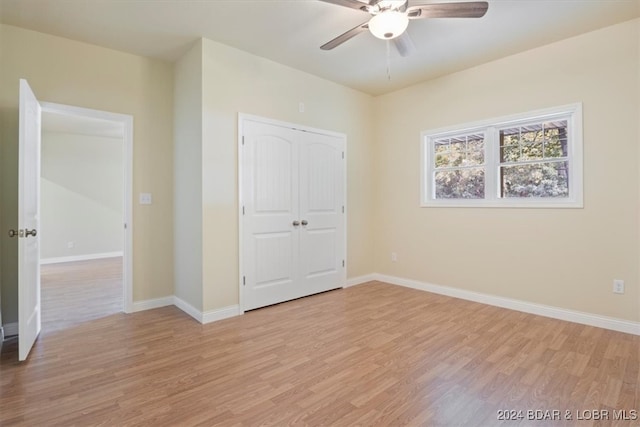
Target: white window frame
[{"x": 490, "y": 128}]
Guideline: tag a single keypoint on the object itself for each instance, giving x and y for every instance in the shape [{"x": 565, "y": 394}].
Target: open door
[{"x": 28, "y": 221}]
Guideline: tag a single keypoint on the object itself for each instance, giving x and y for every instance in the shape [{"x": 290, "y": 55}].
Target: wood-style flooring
[
  {"x": 76, "y": 292},
  {"x": 370, "y": 355}
]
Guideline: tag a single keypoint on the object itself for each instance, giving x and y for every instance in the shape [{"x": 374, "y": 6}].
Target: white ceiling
[{"x": 291, "y": 31}]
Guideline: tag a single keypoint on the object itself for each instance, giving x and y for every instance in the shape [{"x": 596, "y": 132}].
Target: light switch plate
[{"x": 145, "y": 198}]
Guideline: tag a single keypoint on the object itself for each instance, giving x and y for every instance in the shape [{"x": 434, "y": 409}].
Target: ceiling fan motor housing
[{"x": 388, "y": 24}]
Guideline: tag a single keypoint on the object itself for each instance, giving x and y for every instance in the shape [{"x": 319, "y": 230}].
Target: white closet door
[
  {"x": 270, "y": 195},
  {"x": 322, "y": 239},
  {"x": 292, "y": 191}
]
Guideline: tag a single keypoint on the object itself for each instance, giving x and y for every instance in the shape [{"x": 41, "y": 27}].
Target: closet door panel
[
  {"x": 270, "y": 194},
  {"x": 321, "y": 201}
]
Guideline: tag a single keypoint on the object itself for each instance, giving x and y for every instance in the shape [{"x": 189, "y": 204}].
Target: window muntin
[{"x": 528, "y": 160}]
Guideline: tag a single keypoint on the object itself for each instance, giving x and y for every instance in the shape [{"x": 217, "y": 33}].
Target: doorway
[{"x": 85, "y": 238}]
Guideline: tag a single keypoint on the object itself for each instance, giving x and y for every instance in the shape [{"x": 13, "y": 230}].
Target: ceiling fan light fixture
[{"x": 388, "y": 24}]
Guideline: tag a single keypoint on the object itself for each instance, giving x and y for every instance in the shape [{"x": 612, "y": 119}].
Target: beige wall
[
  {"x": 79, "y": 74},
  {"x": 559, "y": 257},
  {"x": 188, "y": 177},
  {"x": 238, "y": 82},
  {"x": 81, "y": 195}
]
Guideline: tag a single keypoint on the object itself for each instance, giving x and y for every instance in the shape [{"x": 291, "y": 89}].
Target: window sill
[{"x": 517, "y": 203}]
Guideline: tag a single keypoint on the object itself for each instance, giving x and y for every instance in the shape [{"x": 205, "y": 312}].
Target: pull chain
[{"x": 389, "y": 60}]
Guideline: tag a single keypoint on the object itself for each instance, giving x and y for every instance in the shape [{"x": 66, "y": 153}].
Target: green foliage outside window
[{"x": 533, "y": 161}]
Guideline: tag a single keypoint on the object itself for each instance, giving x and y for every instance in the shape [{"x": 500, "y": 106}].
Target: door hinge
[
  {"x": 125, "y": 225},
  {"x": 343, "y": 263},
  {"x": 242, "y": 139},
  {"x": 343, "y": 209},
  {"x": 243, "y": 210},
  {"x": 343, "y": 154},
  {"x": 244, "y": 281}
]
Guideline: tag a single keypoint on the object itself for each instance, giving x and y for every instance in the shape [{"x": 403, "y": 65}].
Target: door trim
[
  {"x": 242, "y": 117},
  {"x": 127, "y": 121}
]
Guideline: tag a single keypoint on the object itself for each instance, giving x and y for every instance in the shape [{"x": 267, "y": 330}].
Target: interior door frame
[
  {"x": 242, "y": 117},
  {"x": 127, "y": 121}
]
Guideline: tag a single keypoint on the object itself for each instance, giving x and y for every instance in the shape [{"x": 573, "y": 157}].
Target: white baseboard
[
  {"x": 150, "y": 304},
  {"x": 360, "y": 280},
  {"x": 188, "y": 308},
  {"x": 207, "y": 316},
  {"x": 202, "y": 317},
  {"x": 599, "y": 321},
  {"x": 590, "y": 319},
  {"x": 221, "y": 314},
  {"x": 10, "y": 329},
  {"x": 80, "y": 257}
]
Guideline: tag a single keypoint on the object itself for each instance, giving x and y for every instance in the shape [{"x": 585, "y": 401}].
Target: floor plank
[
  {"x": 373, "y": 355},
  {"x": 76, "y": 292}
]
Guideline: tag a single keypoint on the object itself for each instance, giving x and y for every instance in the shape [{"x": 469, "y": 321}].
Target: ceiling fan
[{"x": 390, "y": 18}]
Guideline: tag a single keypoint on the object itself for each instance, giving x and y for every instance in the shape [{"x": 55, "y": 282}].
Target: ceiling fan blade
[
  {"x": 346, "y": 36},
  {"x": 473, "y": 9},
  {"x": 404, "y": 44},
  {"x": 353, "y": 4}
]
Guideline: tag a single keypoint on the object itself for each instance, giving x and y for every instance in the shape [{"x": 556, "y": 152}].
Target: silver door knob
[
  {"x": 13, "y": 233},
  {"x": 296, "y": 223},
  {"x": 28, "y": 232},
  {"x": 304, "y": 222}
]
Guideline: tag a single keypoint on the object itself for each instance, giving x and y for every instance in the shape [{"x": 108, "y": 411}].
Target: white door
[
  {"x": 321, "y": 196},
  {"x": 292, "y": 188},
  {"x": 28, "y": 221}
]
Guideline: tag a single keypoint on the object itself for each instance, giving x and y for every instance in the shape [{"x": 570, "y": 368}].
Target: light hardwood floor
[
  {"x": 370, "y": 355},
  {"x": 76, "y": 292}
]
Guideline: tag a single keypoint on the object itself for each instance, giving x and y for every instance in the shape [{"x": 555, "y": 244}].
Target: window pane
[
  {"x": 509, "y": 153},
  {"x": 474, "y": 158},
  {"x": 442, "y": 146},
  {"x": 531, "y": 151},
  {"x": 475, "y": 150},
  {"x": 508, "y": 138},
  {"x": 458, "y": 145},
  {"x": 476, "y": 144},
  {"x": 535, "y": 180},
  {"x": 460, "y": 184},
  {"x": 555, "y": 139},
  {"x": 442, "y": 160},
  {"x": 531, "y": 134},
  {"x": 456, "y": 158}
]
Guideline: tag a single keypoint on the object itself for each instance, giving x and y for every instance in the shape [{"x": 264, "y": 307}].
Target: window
[{"x": 529, "y": 160}]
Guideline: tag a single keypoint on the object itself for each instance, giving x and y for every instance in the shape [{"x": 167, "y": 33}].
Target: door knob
[
  {"x": 296, "y": 223},
  {"x": 304, "y": 222},
  {"x": 23, "y": 233}
]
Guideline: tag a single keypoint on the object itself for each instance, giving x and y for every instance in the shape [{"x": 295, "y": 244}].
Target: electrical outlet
[
  {"x": 70, "y": 245},
  {"x": 301, "y": 107},
  {"x": 618, "y": 286},
  {"x": 145, "y": 198},
  {"x": 394, "y": 256}
]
